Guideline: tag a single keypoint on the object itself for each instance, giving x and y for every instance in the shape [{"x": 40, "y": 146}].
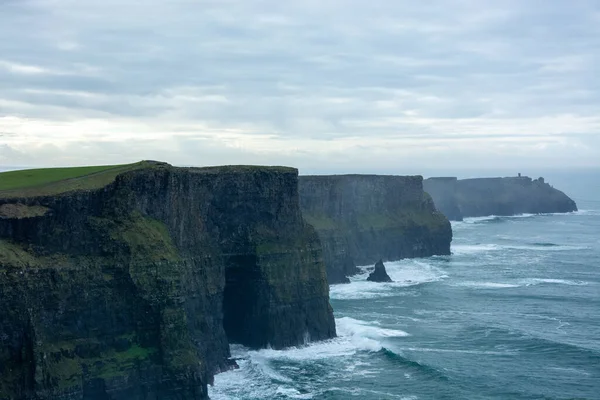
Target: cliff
[
  {"x": 443, "y": 190},
  {"x": 132, "y": 288},
  {"x": 496, "y": 196},
  {"x": 361, "y": 219}
]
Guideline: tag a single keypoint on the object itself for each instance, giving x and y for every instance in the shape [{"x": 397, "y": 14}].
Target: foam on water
[
  {"x": 519, "y": 283},
  {"x": 257, "y": 378},
  {"x": 460, "y": 351},
  {"x": 350, "y": 327},
  {"x": 499, "y": 218},
  {"x": 486, "y": 285},
  {"x": 466, "y": 249},
  {"x": 404, "y": 273},
  {"x": 469, "y": 249},
  {"x": 538, "y": 281}
]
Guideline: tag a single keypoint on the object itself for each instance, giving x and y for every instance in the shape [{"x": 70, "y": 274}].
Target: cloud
[{"x": 318, "y": 85}]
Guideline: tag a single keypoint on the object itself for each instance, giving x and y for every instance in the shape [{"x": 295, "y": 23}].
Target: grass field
[{"x": 51, "y": 181}]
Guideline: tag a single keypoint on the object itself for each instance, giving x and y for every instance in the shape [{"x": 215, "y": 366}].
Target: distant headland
[{"x": 462, "y": 198}]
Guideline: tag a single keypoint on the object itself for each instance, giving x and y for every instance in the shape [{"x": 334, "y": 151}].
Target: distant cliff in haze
[{"x": 459, "y": 199}]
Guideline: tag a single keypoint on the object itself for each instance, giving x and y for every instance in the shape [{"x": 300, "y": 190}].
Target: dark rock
[
  {"x": 496, "y": 196},
  {"x": 363, "y": 218},
  {"x": 134, "y": 290},
  {"x": 379, "y": 274}
]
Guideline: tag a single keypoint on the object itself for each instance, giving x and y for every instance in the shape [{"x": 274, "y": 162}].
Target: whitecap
[
  {"x": 350, "y": 327},
  {"x": 538, "y": 281},
  {"x": 486, "y": 285},
  {"x": 539, "y": 247},
  {"x": 459, "y": 351},
  {"x": 465, "y": 249},
  {"x": 257, "y": 378}
]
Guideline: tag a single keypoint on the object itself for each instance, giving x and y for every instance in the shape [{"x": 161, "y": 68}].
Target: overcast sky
[{"x": 326, "y": 86}]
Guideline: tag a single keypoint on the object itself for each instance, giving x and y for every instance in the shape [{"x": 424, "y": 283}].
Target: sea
[{"x": 513, "y": 313}]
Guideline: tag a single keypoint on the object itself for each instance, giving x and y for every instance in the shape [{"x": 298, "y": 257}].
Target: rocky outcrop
[
  {"x": 379, "y": 274},
  {"x": 496, "y": 196},
  {"x": 363, "y": 218},
  {"x": 135, "y": 290}
]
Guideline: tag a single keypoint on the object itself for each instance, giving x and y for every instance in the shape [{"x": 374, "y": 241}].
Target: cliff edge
[
  {"x": 361, "y": 219},
  {"x": 130, "y": 284},
  {"x": 459, "y": 199}
]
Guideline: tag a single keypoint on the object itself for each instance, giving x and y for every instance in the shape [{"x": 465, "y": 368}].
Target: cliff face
[
  {"x": 496, "y": 196},
  {"x": 361, "y": 219},
  {"x": 444, "y": 194},
  {"x": 135, "y": 290}
]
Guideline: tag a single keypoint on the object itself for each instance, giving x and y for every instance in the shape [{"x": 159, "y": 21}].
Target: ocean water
[{"x": 514, "y": 313}]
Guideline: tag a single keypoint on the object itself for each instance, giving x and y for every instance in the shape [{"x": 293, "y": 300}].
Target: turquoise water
[{"x": 514, "y": 313}]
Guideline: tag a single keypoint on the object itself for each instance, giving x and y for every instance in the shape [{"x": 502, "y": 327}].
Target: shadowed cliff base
[
  {"x": 132, "y": 288},
  {"x": 479, "y": 197},
  {"x": 361, "y": 219}
]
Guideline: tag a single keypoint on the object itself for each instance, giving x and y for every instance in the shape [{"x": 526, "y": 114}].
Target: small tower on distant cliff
[{"x": 519, "y": 174}]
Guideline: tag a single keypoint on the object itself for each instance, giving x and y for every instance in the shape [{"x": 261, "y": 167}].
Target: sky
[{"x": 326, "y": 86}]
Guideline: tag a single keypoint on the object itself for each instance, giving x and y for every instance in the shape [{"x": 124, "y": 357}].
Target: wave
[
  {"x": 468, "y": 249},
  {"x": 504, "y": 218},
  {"x": 586, "y": 212},
  {"x": 460, "y": 351},
  {"x": 404, "y": 273},
  {"x": 487, "y": 285},
  {"x": 539, "y": 281},
  {"x": 519, "y": 283},
  {"x": 347, "y": 326},
  {"x": 360, "y": 393},
  {"x": 412, "y": 364},
  {"x": 261, "y": 374},
  {"x": 544, "y": 244}
]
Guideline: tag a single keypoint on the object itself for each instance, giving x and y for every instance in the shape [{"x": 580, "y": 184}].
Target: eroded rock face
[
  {"x": 379, "y": 274},
  {"x": 459, "y": 199},
  {"x": 134, "y": 291},
  {"x": 363, "y": 218}
]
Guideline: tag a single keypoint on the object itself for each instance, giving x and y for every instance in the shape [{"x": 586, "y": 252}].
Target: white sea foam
[
  {"x": 467, "y": 249},
  {"x": 538, "y": 281},
  {"x": 459, "y": 351},
  {"x": 350, "y": 327},
  {"x": 519, "y": 283},
  {"x": 587, "y": 212},
  {"x": 486, "y": 285},
  {"x": 257, "y": 378},
  {"x": 404, "y": 273}
]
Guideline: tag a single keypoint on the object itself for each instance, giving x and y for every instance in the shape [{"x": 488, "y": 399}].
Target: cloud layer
[{"x": 326, "y": 86}]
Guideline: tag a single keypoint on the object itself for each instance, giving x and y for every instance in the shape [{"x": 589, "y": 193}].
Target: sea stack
[{"x": 379, "y": 274}]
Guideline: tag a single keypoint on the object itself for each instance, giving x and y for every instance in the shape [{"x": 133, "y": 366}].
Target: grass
[{"x": 52, "y": 181}]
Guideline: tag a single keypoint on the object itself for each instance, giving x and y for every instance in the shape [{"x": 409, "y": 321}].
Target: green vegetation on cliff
[{"x": 53, "y": 181}]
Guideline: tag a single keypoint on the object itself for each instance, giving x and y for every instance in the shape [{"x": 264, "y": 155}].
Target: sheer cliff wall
[
  {"x": 363, "y": 218},
  {"x": 134, "y": 290}
]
